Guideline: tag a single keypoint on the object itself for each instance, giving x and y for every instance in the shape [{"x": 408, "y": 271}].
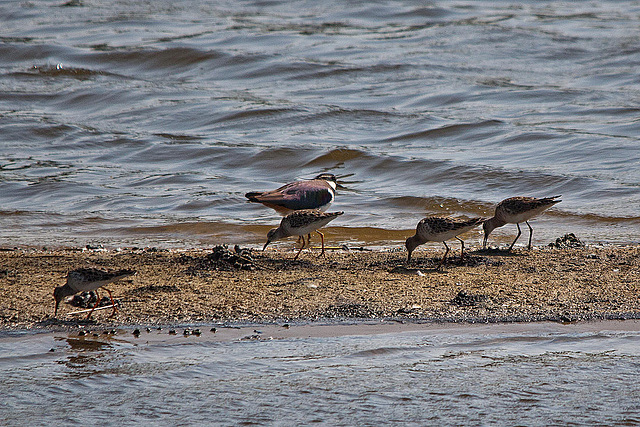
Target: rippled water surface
[
  {"x": 128, "y": 122},
  {"x": 541, "y": 374}
]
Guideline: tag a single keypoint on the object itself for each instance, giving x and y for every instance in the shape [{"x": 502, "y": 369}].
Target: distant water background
[{"x": 144, "y": 123}]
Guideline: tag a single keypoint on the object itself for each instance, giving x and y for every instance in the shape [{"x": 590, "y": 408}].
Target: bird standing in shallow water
[
  {"x": 88, "y": 279},
  {"x": 440, "y": 229},
  {"x": 299, "y": 223},
  {"x": 317, "y": 193},
  {"x": 514, "y": 211}
]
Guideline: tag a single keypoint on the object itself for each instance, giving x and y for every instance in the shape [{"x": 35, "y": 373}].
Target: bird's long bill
[{"x": 266, "y": 244}]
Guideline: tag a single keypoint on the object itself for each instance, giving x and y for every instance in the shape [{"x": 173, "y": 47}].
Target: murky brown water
[
  {"x": 144, "y": 123},
  {"x": 374, "y": 374}
]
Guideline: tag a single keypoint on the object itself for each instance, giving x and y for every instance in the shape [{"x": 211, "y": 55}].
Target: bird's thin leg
[
  {"x": 302, "y": 237},
  {"x": 530, "y": 234},
  {"x": 94, "y": 307},
  {"x": 444, "y": 257},
  {"x": 113, "y": 303},
  {"x": 517, "y": 237},
  {"x": 322, "y": 240},
  {"x": 301, "y": 247},
  {"x": 461, "y": 248}
]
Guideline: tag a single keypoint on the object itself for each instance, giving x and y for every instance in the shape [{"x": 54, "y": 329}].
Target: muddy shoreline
[{"x": 186, "y": 287}]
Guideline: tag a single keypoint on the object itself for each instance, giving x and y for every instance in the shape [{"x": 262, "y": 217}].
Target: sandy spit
[{"x": 178, "y": 287}]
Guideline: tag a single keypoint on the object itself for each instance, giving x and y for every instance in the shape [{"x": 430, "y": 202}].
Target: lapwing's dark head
[{"x": 327, "y": 177}]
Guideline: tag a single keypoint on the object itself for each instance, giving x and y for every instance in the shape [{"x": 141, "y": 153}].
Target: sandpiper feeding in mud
[
  {"x": 515, "y": 210},
  {"x": 440, "y": 229},
  {"x": 88, "y": 279},
  {"x": 299, "y": 223}
]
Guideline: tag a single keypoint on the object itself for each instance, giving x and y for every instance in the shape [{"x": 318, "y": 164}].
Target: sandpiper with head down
[
  {"x": 300, "y": 223},
  {"x": 440, "y": 229},
  {"x": 514, "y": 211},
  {"x": 317, "y": 193},
  {"x": 88, "y": 279}
]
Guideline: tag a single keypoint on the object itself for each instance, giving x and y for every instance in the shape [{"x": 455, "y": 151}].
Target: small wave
[
  {"x": 613, "y": 111},
  {"x": 598, "y": 219},
  {"x": 439, "y": 204},
  {"x": 444, "y": 131},
  {"x": 18, "y": 213},
  {"x": 503, "y": 82},
  {"x": 278, "y": 161},
  {"x": 307, "y": 29},
  {"x": 348, "y": 114},
  {"x": 339, "y": 155},
  {"x": 568, "y": 16},
  {"x": 339, "y": 70},
  {"x": 171, "y": 58},
  {"x": 178, "y": 138},
  {"x": 61, "y": 70},
  {"x": 30, "y": 163},
  {"x": 16, "y": 39},
  {"x": 424, "y": 12},
  {"x": 255, "y": 113},
  {"x": 383, "y": 351}
]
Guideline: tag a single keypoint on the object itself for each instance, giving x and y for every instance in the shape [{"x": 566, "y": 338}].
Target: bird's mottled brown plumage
[
  {"x": 440, "y": 229},
  {"x": 301, "y": 223},
  {"x": 515, "y": 210},
  {"x": 88, "y": 279}
]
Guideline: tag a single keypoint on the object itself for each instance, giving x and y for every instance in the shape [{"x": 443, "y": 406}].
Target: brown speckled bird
[
  {"x": 88, "y": 279},
  {"x": 440, "y": 229},
  {"x": 514, "y": 211},
  {"x": 299, "y": 223}
]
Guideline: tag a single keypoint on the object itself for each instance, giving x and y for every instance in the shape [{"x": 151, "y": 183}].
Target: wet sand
[{"x": 218, "y": 285}]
